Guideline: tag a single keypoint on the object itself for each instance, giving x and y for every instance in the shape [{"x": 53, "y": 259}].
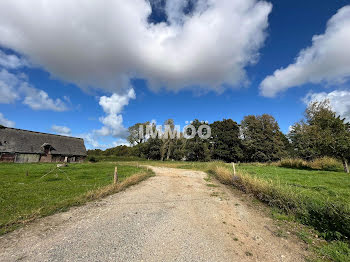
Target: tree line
[{"x": 255, "y": 139}]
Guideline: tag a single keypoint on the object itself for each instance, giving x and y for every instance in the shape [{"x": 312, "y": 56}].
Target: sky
[{"x": 93, "y": 68}]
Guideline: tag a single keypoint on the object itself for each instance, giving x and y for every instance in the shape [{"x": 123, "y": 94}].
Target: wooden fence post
[
  {"x": 115, "y": 179},
  {"x": 234, "y": 169}
]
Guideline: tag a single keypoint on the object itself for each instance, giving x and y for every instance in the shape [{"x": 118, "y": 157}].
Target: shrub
[
  {"x": 92, "y": 159},
  {"x": 293, "y": 163},
  {"x": 323, "y": 163}
]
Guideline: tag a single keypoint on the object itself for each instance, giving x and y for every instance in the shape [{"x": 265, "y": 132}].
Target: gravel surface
[{"x": 174, "y": 216}]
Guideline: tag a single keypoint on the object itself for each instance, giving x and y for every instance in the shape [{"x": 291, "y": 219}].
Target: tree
[
  {"x": 262, "y": 139},
  {"x": 326, "y": 133},
  {"x": 179, "y": 149},
  {"x": 134, "y": 135},
  {"x": 197, "y": 148},
  {"x": 154, "y": 148},
  {"x": 304, "y": 141},
  {"x": 225, "y": 141},
  {"x": 95, "y": 152},
  {"x": 168, "y": 142},
  {"x": 118, "y": 151}
]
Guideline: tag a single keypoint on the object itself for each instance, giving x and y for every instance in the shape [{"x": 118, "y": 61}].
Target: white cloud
[
  {"x": 15, "y": 86},
  {"x": 113, "y": 121},
  {"x": 8, "y": 87},
  {"x": 39, "y": 100},
  {"x": 92, "y": 142},
  {"x": 115, "y": 103},
  {"x": 102, "y": 44},
  {"x": 61, "y": 130},
  {"x": 6, "y": 122},
  {"x": 11, "y": 61},
  {"x": 327, "y": 60},
  {"x": 339, "y": 101}
]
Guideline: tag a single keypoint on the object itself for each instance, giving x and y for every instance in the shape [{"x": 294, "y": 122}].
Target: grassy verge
[
  {"x": 315, "y": 198},
  {"x": 318, "y": 198},
  {"x": 24, "y": 198}
]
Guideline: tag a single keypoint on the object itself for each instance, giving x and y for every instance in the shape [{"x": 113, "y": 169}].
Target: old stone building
[{"x": 22, "y": 146}]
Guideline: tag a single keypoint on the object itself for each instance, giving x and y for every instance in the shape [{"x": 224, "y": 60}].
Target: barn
[{"x": 23, "y": 146}]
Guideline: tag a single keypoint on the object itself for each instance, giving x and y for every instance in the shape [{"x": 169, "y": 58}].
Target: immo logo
[{"x": 173, "y": 131}]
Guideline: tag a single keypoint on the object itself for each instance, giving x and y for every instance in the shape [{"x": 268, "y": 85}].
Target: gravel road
[{"x": 174, "y": 216}]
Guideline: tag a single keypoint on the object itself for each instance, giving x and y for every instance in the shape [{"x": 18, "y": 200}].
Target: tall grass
[
  {"x": 324, "y": 163},
  {"x": 222, "y": 174},
  {"x": 329, "y": 217}
]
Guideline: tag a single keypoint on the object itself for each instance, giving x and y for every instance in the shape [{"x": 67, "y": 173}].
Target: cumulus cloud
[
  {"x": 61, "y": 130},
  {"x": 115, "y": 103},
  {"x": 9, "y": 84},
  {"x": 326, "y": 60},
  {"x": 6, "y": 122},
  {"x": 113, "y": 121},
  {"x": 339, "y": 101},
  {"x": 11, "y": 61},
  {"x": 39, "y": 100},
  {"x": 102, "y": 44},
  {"x": 15, "y": 86},
  {"x": 92, "y": 142}
]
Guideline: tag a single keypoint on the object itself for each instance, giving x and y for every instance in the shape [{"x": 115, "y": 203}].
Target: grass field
[
  {"x": 318, "y": 185},
  {"x": 24, "y": 198}
]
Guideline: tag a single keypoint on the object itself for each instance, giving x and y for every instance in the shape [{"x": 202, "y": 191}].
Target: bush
[
  {"x": 323, "y": 163},
  {"x": 293, "y": 163},
  {"x": 92, "y": 159},
  {"x": 326, "y": 163}
]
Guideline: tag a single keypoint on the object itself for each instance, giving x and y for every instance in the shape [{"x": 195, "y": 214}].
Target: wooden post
[
  {"x": 115, "y": 180},
  {"x": 346, "y": 166},
  {"x": 27, "y": 173},
  {"x": 234, "y": 168}
]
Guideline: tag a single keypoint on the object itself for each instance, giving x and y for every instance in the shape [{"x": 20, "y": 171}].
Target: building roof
[{"x": 13, "y": 140}]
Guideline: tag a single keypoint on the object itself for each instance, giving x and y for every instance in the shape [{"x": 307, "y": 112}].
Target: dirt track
[{"x": 174, "y": 216}]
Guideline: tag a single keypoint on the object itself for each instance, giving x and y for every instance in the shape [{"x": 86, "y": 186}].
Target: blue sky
[{"x": 73, "y": 102}]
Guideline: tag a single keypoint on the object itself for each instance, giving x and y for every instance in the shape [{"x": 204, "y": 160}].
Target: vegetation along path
[{"x": 176, "y": 215}]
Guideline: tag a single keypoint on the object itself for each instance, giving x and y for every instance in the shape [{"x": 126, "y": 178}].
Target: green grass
[
  {"x": 114, "y": 158},
  {"x": 317, "y": 198},
  {"x": 317, "y": 185},
  {"x": 23, "y": 198},
  {"x": 334, "y": 251}
]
